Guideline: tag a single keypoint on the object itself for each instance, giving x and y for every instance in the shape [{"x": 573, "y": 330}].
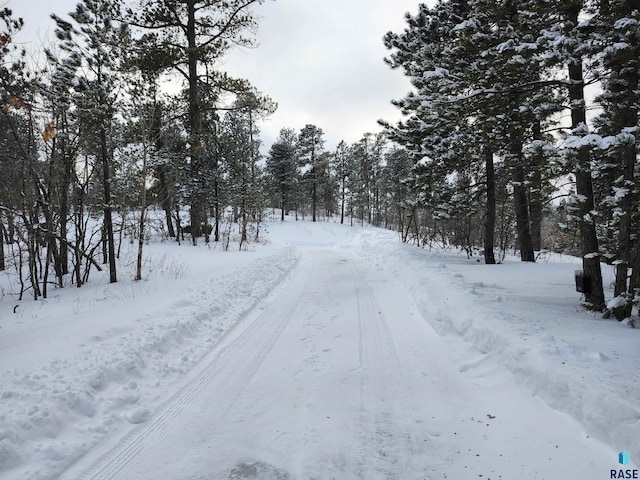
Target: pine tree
[
  {"x": 342, "y": 166},
  {"x": 511, "y": 57},
  {"x": 568, "y": 46},
  {"x": 150, "y": 62},
  {"x": 283, "y": 169},
  {"x": 144, "y": 114},
  {"x": 26, "y": 191},
  {"x": 328, "y": 186},
  {"x": 618, "y": 25},
  {"x": 480, "y": 91},
  {"x": 447, "y": 129},
  {"x": 92, "y": 40},
  {"x": 240, "y": 149},
  {"x": 310, "y": 149},
  {"x": 367, "y": 156},
  {"x": 397, "y": 176},
  {"x": 11, "y": 92},
  {"x": 192, "y": 35}
]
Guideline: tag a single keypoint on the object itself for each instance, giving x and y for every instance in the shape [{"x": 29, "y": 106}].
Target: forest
[
  {"x": 520, "y": 134},
  {"x": 522, "y": 128}
]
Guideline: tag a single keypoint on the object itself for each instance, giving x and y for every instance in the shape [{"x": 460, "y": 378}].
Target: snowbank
[
  {"x": 526, "y": 317},
  {"x": 86, "y": 363}
]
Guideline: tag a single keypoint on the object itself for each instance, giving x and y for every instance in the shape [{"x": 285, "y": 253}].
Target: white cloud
[{"x": 322, "y": 61}]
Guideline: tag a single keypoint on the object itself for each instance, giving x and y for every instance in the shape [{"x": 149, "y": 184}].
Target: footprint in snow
[{"x": 260, "y": 470}]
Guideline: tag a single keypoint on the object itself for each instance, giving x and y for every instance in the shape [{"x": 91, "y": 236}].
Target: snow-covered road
[{"x": 337, "y": 375}]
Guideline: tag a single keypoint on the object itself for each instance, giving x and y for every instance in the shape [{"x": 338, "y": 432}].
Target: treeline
[
  {"x": 129, "y": 111},
  {"x": 521, "y": 131},
  {"x": 359, "y": 183},
  {"x": 532, "y": 107}
]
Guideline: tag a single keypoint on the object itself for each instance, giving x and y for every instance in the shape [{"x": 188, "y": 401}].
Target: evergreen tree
[
  {"x": 480, "y": 92},
  {"x": 240, "y": 147},
  {"x": 328, "y": 186},
  {"x": 283, "y": 169},
  {"x": 397, "y": 177},
  {"x": 446, "y": 128},
  {"x": 510, "y": 58},
  {"x": 92, "y": 39},
  {"x": 25, "y": 192},
  {"x": 568, "y": 46},
  {"x": 342, "y": 166},
  {"x": 310, "y": 149},
  {"x": 192, "y": 35},
  {"x": 149, "y": 62},
  {"x": 143, "y": 113},
  {"x": 367, "y": 156},
  {"x": 11, "y": 97},
  {"x": 618, "y": 26}
]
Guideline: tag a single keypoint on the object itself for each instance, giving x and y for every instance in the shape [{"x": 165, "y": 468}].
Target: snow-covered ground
[{"x": 332, "y": 352}]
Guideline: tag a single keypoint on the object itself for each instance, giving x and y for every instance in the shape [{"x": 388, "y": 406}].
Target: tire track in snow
[
  {"x": 222, "y": 381},
  {"x": 380, "y": 363}
]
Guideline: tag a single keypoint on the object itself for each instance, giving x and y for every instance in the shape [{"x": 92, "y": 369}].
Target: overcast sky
[{"x": 320, "y": 60}]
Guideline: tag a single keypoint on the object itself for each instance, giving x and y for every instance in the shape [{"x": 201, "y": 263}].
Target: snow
[
  {"x": 329, "y": 352},
  {"x": 591, "y": 139},
  {"x": 625, "y": 23},
  {"x": 437, "y": 73},
  {"x": 619, "y": 192}
]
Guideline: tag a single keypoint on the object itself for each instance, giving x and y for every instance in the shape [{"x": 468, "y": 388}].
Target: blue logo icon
[{"x": 624, "y": 458}]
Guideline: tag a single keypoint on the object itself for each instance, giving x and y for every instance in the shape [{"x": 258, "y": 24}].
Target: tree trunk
[
  {"x": 490, "y": 218},
  {"x": 520, "y": 199},
  {"x": 584, "y": 185},
  {"x": 195, "y": 126},
  {"x": 166, "y": 200},
  {"x": 108, "y": 220},
  {"x": 342, "y": 202},
  {"x": 11, "y": 229},
  {"x": 631, "y": 76},
  {"x": 78, "y": 214},
  {"x": 216, "y": 211},
  {"x": 52, "y": 256},
  {"x": 634, "y": 280},
  {"x": 282, "y": 200},
  {"x": 165, "y": 192},
  {"x": 624, "y": 234},
  {"x": 64, "y": 186},
  {"x": 143, "y": 211},
  {"x": 628, "y": 204},
  {"x": 535, "y": 191},
  {"x": 2, "y": 261},
  {"x": 314, "y": 199}
]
